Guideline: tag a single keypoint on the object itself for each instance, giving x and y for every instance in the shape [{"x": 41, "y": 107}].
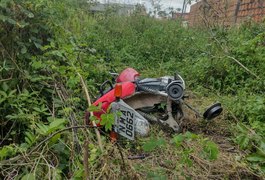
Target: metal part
[
  {"x": 103, "y": 90},
  {"x": 144, "y": 99},
  {"x": 175, "y": 90},
  {"x": 114, "y": 74},
  {"x": 171, "y": 121},
  {"x": 149, "y": 117},
  {"x": 166, "y": 86},
  {"x": 182, "y": 80},
  {"x": 193, "y": 109},
  {"x": 210, "y": 113},
  {"x": 151, "y": 90}
]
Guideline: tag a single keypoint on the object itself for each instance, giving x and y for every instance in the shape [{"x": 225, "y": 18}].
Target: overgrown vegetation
[{"x": 44, "y": 44}]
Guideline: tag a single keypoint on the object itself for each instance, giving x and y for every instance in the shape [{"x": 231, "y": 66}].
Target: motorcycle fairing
[
  {"x": 128, "y": 89},
  {"x": 129, "y": 74}
]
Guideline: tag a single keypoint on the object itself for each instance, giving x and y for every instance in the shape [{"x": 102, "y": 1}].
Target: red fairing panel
[
  {"x": 128, "y": 88},
  {"x": 129, "y": 74}
]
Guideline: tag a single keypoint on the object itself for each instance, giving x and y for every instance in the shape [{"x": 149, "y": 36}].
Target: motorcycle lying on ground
[{"x": 136, "y": 102}]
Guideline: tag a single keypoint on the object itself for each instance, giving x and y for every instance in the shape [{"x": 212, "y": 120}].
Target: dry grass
[{"x": 167, "y": 162}]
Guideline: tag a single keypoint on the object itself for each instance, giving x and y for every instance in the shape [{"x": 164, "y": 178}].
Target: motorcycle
[{"x": 136, "y": 102}]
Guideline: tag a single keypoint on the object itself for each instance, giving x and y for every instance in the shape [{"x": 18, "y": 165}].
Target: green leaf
[
  {"x": 42, "y": 129},
  {"x": 7, "y": 151},
  {"x": 94, "y": 108},
  {"x": 29, "y": 176},
  {"x": 11, "y": 93},
  {"x": 262, "y": 147},
  {"x": 22, "y": 24},
  {"x": 11, "y": 21},
  {"x": 107, "y": 120},
  {"x": 28, "y": 13},
  {"x": 56, "y": 173},
  {"x": 190, "y": 136},
  {"x": 256, "y": 158},
  {"x": 243, "y": 141},
  {"x": 3, "y": 3},
  {"x": 94, "y": 118},
  {"x": 39, "y": 46},
  {"x": 56, "y": 124},
  {"x": 5, "y": 86},
  {"x": 152, "y": 144},
  {"x": 24, "y": 50},
  {"x": 178, "y": 140},
  {"x": 30, "y": 138},
  {"x": 37, "y": 64},
  {"x": 242, "y": 128},
  {"x": 3, "y": 94},
  {"x": 210, "y": 150},
  {"x": 57, "y": 53},
  {"x": 54, "y": 139},
  {"x": 2, "y": 17},
  {"x": 53, "y": 126}
]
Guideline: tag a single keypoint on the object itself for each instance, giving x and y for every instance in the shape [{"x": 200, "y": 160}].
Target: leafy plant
[
  {"x": 209, "y": 149},
  {"x": 153, "y": 144}
]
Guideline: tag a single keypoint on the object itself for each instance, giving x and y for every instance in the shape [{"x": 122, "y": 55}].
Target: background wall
[{"x": 226, "y": 12}]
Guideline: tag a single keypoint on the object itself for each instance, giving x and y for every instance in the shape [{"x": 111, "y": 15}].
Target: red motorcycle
[{"x": 141, "y": 101}]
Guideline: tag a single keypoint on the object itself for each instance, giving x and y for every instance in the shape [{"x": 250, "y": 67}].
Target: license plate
[{"x": 125, "y": 121}]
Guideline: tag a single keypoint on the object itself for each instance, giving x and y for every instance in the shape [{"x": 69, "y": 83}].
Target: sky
[{"x": 148, "y": 3}]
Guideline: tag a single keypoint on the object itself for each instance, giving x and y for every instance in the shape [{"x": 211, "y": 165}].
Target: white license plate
[{"x": 125, "y": 122}]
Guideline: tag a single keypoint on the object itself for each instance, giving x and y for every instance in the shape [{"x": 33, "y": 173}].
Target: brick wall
[
  {"x": 251, "y": 9},
  {"x": 226, "y": 12},
  {"x": 184, "y": 16}
]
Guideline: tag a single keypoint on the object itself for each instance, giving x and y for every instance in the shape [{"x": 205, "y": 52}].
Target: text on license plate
[{"x": 126, "y": 123}]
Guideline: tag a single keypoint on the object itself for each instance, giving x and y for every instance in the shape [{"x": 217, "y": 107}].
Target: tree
[
  {"x": 157, "y": 7},
  {"x": 171, "y": 11},
  {"x": 162, "y": 14},
  {"x": 185, "y": 4}
]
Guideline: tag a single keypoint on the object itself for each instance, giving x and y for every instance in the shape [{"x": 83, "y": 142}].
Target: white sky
[{"x": 148, "y": 3}]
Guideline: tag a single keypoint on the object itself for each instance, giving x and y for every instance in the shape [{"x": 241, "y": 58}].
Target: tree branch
[
  {"x": 7, "y": 79},
  {"x": 244, "y": 67},
  {"x": 7, "y": 162},
  {"x": 91, "y": 113}
]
